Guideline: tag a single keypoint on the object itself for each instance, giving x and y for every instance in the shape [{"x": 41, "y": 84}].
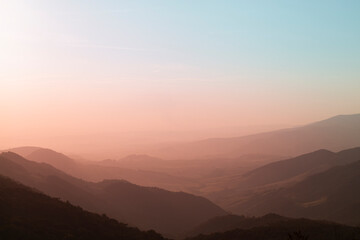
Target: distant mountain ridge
[
  {"x": 336, "y": 133},
  {"x": 23, "y": 151},
  {"x": 108, "y": 169}
]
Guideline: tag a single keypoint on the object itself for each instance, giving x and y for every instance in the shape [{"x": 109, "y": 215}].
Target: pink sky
[{"x": 86, "y": 74}]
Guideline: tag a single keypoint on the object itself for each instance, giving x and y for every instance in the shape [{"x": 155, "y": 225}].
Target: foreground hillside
[
  {"x": 27, "y": 214},
  {"x": 167, "y": 212},
  {"x": 300, "y": 229},
  {"x": 276, "y": 226}
]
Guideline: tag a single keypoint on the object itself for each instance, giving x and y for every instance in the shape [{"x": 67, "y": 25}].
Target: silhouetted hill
[
  {"x": 333, "y": 195},
  {"x": 300, "y": 167},
  {"x": 26, "y": 214},
  {"x": 147, "y": 208},
  {"x": 335, "y": 134},
  {"x": 230, "y": 222},
  {"x": 48, "y": 179},
  {"x": 233, "y": 190},
  {"x": 172, "y": 212},
  {"x": 276, "y": 226},
  {"x": 298, "y": 229}
]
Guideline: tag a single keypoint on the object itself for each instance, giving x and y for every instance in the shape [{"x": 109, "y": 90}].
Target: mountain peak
[{"x": 341, "y": 119}]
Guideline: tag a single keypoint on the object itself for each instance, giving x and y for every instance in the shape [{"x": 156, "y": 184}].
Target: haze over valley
[{"x": 179, "y": 120}]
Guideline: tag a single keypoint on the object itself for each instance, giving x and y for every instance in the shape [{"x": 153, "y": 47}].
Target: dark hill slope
[
  {"x": 235, "y": 189},
  {"x": 301, "y": 166},
  {"x": 146, "y": 207},
  {"x": 272, "y": 227},
  {"x": 26, "y": 214},
  {"x": 231, "y": 222},
  {"x": 333, "y": 195}
]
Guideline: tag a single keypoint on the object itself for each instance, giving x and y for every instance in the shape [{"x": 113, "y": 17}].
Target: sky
[{"x": 111, "y": 68}]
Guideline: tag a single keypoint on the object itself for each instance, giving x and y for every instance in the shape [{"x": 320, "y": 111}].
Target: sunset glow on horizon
[{"x": 134, "y": 70}]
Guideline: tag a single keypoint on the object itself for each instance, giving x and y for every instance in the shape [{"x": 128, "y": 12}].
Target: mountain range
[
  {"x": 29, "y": 214},
  {"x": 99, "y": 171},
  {"x": 146, "y": 207},
  {"x": 321, "y": 184},
  {"x": 331, "y": 194},
  {"x": 335, "y": 134}
]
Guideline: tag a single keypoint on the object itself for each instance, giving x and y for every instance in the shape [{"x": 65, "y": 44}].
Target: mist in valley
[{"x": 200, "y": 120}]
